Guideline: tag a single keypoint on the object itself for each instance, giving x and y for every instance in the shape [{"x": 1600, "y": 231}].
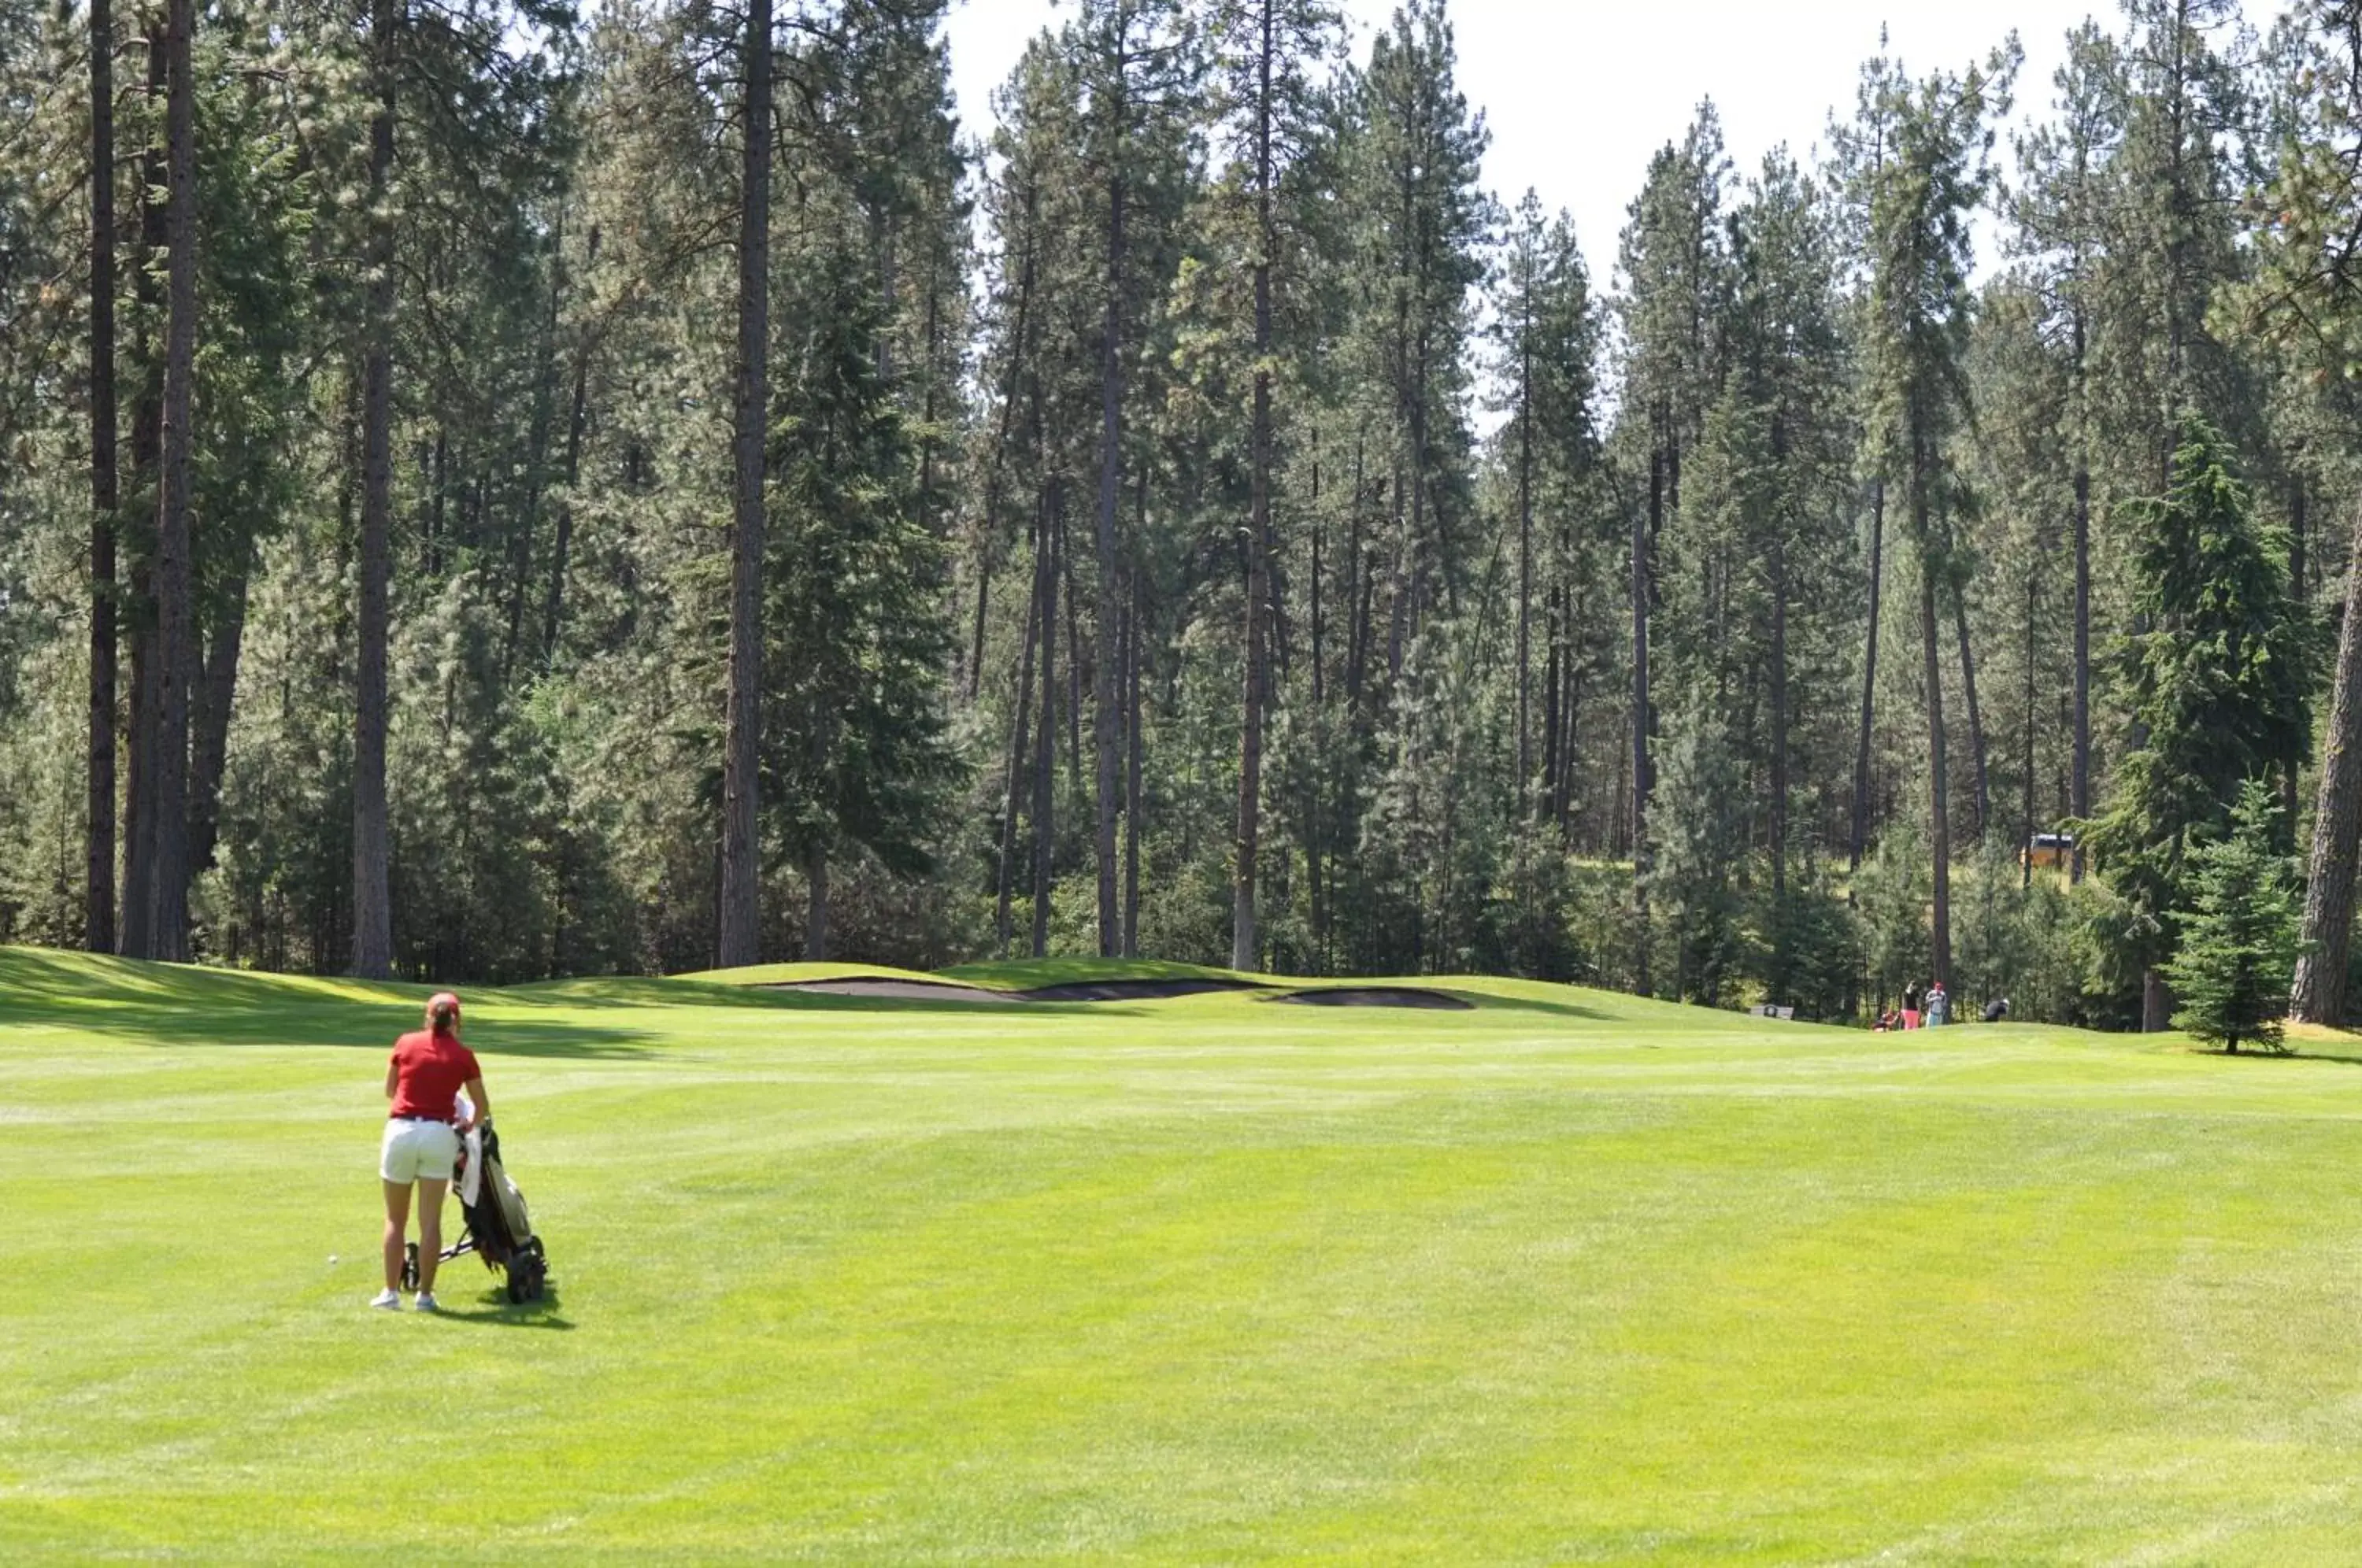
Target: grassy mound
[{"x": 1565, "y": 1278}]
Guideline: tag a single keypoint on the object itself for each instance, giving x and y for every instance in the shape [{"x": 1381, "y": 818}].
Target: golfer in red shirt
[{"x": 422, "y": 1140}]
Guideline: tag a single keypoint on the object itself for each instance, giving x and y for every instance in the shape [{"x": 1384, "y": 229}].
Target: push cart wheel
[
  {"x": 410, "y": 1265},
  {"x": 515, "y": 1287}
]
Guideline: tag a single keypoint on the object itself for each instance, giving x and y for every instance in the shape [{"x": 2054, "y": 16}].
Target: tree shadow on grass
[
  {"x": 638, "y": 991},
  {"x": 187, "y": 1005},
  {"x": 2342, "y": 1059},
  {"x": 952, "y": 1007},
  {"x": 1488, "y": 1002},
  {"x": 591, "y": 995}
]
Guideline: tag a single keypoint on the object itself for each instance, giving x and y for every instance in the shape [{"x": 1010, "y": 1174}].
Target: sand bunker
[{"x": 1378, "y": 996}]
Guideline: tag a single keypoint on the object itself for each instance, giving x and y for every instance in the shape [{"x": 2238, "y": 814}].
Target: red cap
[{"x": 442, "y": 1001}]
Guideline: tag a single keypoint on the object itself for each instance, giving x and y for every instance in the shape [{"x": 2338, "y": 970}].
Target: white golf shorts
[{"x": 418, "y": 1151}]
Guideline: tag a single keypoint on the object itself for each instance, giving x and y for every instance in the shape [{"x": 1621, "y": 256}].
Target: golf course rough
[{"x": 1565, "y": 1278}]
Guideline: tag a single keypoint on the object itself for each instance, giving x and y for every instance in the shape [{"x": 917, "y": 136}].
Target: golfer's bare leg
[
  {"x": 430, "y": 1230},
  {"x": 397, "y": 1216}
]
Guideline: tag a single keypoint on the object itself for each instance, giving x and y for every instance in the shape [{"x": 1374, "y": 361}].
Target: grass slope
[{"x": 1567, "y": 1277}]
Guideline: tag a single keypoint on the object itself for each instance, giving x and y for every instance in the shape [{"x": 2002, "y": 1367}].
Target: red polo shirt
[{"x": 429, "y": 1071}]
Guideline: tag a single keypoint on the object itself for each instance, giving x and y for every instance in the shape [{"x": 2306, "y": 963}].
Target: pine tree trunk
[
  {"x": 1017, "y": 754},
  {"x": 2298, "y": 587},
  {"x": 98, "y": 895},
  {"x": 1135, "y": 804},
  {"x": 2157, "y": 1002},
  {"x": 1075, "y": 662},
  {"x": 1045, "y": 736},
  {"x": 1644, "y": 529},
  {"x": 1570, "y": 736},
  {"x": 816, "y": 905},
  {"x": 931, "y": 364},
  {"x": 2080, "y": 781},
  {"x": 217, "y": 693},
  {"x": 1940, "y": 822},
  {"x": 2292, "y": 765},
  {"x": 1861, "y": 840},
  {"x": 372, "y": 872},
  {"x": 984, "y": 542},
  {"x": 138, "y": 900},
  {"x": 137, "y": 906},
  {"x": 1103, "y": 699},
  {"x": 1398, "y": 587},
  {"x": 1420, "y": 450},
  {"x": 553, "y": 607},
  {"x": 433, "y": 531},
  {"x": 1357, "y": 601},
  {"x": 175, "y": 575},
  {"x": 741, "y": 845},
  {"x": 1976, "y": 716},
  {"x": 1526, "y": 564},
  {"x": 524, "y": 527},
  {"x": 1779, "y": 568},
  {"x": 2025, "y": 835},
  {"x": 1551, "y": 660},
  {"x": 2318, "y": 994},
  {"x": 1318, "y": 629},
  {"x": 1245, "y": 945},
  {"x": 989, "y": 528}
]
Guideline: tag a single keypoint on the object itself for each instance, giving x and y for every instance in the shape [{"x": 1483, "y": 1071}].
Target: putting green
[{"x": 1568, "y": 1278}]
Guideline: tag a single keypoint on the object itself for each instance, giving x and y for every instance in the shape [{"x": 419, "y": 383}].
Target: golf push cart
[{"x": 498, "y": 1229}]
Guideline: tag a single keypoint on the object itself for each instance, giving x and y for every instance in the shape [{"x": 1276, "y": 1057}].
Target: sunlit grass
[{"x": 1569, "y": 1277}]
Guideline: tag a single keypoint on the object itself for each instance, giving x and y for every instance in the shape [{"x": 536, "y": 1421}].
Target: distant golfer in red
[{"x": 422, "y": 1140}]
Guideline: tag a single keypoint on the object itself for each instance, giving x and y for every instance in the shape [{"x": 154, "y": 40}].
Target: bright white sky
[{"x": 1579, "y": 93}]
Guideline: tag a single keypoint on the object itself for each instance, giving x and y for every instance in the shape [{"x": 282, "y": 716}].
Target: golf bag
[{"x": 499, "y": 1229}]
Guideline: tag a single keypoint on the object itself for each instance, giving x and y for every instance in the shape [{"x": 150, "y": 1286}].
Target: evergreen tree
[
  {"x": 1697, "y": 840},
  {"x": 2061, "y": 212},
  {"x": 2238, "y": 947},
  {"x": 2307, "y": 299},
  {"x": 2218, "y": 682},
  {"x": 1268, "y": 53},
  {"x": 167, "y": 916},
  {"x": 99, "y": 835},
  {"x": 1861, "y": 151},
  {"x": 740, "y": 941},
  {"x": 1546, "y": 341},
  {"x": 1311, "y": 665},
  {"x": 1416, "y": 162},
  {"x": 1674, "y": 271},
  {"x": 1761, "y": 553},
  {"x": 2024, "y": 465},
  {"x": 1919, "y": 313},
  {"x": 1139, "y": 66},
  {"x": 859, "y": 756}
]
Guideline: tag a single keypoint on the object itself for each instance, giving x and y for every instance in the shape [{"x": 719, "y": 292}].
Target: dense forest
[{"x": 489, "y": 491}]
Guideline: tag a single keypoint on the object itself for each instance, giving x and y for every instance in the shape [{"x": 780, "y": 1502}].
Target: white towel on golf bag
[{"x": 470, "y": 1178}]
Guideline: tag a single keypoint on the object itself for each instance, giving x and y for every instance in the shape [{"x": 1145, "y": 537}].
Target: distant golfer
[{"x": 421, "y": 1142}]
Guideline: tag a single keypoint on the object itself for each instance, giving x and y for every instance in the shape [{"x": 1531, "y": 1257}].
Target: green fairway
[{"x": 1567, "y": 1277}]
